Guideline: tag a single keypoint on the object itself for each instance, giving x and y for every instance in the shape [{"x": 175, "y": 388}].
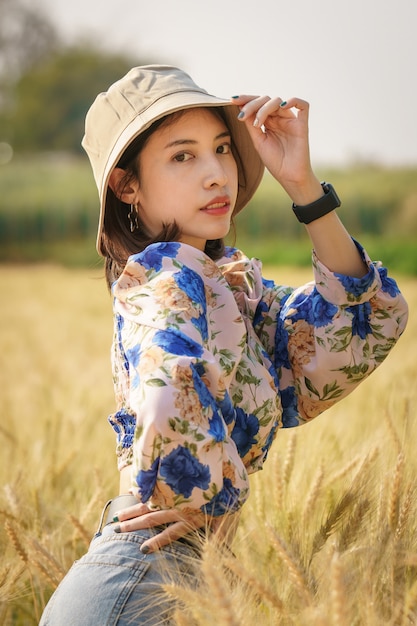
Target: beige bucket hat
[{"x": 134, "y": 102}]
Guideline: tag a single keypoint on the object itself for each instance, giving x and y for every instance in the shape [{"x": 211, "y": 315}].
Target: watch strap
[{"x": 327, "y": 203}]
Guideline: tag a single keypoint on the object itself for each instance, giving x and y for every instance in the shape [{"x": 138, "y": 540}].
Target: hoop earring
[{"x": 133, "y": 218}]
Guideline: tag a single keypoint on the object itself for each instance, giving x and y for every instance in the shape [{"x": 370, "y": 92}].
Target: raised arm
[{"x": 279, "y": 131}]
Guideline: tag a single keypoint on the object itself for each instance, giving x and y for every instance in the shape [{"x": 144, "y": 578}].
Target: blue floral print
[
  {"x": 281, "y": 358},
  {"x": 227, "y": 409},
  {"x": 360, "y": 319},
  {"x": 389, "y": 285},
  {"x": 152, "y": 257},
  {"x": 192, "y": 284},
  {"x": 146, "y": 480},
  {"x": 244, "y": 431},
  {"x": 355, "y": 287},
  {"x": 200, "y": 323},
  {"x": 204, "y": 394},
  {"x": 216, "y": 429},
  {"x": 124, "y": 425},
  {"x": 182, "y": 472},
  {"x": 289, "y": 407},
  {"x": 225, "y": 501},
  {"x": 220, "y": 358},
  {"x": 322, "y": 311},
  {"x": 175, "y": 342}
]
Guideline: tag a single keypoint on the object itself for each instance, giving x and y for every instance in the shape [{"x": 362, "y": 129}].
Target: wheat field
[{"x": 327, "y": 538}]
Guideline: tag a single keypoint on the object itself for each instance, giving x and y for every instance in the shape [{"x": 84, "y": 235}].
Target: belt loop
[{"x": 100, "y": 524}]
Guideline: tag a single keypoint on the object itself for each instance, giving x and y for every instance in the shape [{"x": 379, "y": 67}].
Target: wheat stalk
[
  {"x": 92, "y": 505},
  {"x": 13, "y": 502},
  {"x": 220, "y": 592},
  {"x": 313, "y": 493},
  {"x": 258, "y": 495},
  {"x": 277, "y": 490},
  {"x": 193, "y": 602},
  {"x": 37, "y": 523},
  {"x": 338, "y": 594},
  {"x": 59, "y": 571},
  {"x": 180, "y": 619},
  {"x": 361, "y": 474},
  {"x": 349, "y": 530},
  {"x": 15, "y": 541},
  {"x": 48, "y": 575},
  {"x": 410, "y": 606},
  {"x": 81, "y": 530},
  {"x": 4, "y": 575},
  {"x": 392, "y": 432},
  {"x": 332, "y": 520},
  {"x": 289, "y": 459},
  {"x": 342, "y": 473},
  {"x": 254, "y": 584},
  {"x": 296, "y": 572},
  {"x": 394, "y": 499},
  {"x": 404, "y": 512}
]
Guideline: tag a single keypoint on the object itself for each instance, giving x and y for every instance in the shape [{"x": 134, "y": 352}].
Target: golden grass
[{"x": 328, "y": 536}]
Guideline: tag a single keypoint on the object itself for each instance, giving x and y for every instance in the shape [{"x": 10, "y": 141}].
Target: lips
[
  {"x": 220, "y": 204},
  {"x": 216, "y": 205}
]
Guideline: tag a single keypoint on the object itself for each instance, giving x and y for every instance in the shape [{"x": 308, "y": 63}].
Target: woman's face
[{"x": 188, "y": 174}]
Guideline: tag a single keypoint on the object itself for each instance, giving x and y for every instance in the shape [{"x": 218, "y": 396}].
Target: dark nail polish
[
  {"x": 116, "y": 518},
  {"x": 241, "y": 115},
  {"x": 117, "y": 528},
  {"x": 283, "y": 103},
  {"x": 234, "y": 97},
  {"x": 144, "y": 549}
]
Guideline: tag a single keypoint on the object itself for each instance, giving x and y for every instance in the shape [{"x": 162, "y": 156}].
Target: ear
[{"x": 125, "y": 193}]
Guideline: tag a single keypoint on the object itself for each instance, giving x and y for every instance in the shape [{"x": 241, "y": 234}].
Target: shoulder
[{"x": 173, "y": 281}]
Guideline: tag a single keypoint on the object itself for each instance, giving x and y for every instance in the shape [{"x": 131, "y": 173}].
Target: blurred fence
[
  {"x": 49, "y": 212},
  {"x": 47, "y": 226}
]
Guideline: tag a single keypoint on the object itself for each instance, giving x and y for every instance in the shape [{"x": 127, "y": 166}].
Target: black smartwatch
[{"x": 327, "y": 203}]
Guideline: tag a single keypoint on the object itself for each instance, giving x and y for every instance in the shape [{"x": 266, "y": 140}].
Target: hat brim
[{"x": 250, "y": 166}]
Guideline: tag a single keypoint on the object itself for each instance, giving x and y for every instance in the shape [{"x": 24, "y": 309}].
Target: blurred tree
[
  {"x": 51, "y": 100},
  {"x": 26, "y": 37},
  {"x": 45, "y": 86}
]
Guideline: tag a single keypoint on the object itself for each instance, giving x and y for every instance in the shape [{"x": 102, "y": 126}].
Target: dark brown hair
[{"x": 117, "y": 241}]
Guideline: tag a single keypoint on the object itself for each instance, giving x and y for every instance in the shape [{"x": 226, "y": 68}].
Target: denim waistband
[
  {"x": 193, "y": 538},
  {"x": 119, "y": 502}
]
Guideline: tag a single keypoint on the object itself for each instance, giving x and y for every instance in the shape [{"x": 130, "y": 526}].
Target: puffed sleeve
[
  {"x": 329, "y": 335},
  {"x": 181, "y": 452}
]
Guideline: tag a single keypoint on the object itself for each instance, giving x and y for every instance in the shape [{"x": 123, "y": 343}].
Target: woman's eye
[
  {"x": 182, "y": 157},
  {"x": 224, "y": 148}
]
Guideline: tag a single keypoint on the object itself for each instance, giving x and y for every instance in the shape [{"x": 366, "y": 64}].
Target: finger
[
  {"x": 302, "y": 106},
  {"x": 276, "y": 107},
  {"x": 296, "y": 103},
  {"x": 149, "y": 520},
  {"x": 271, "y": 109},
  {"x": 132, "y": 511},
  {"x": 243, "y": 99},
  {"x": 167, "y": 536},
  {"x": 251, "y": 106}
]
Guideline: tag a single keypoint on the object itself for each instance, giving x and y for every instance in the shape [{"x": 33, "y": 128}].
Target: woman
[{"x": 209, "y": 359}]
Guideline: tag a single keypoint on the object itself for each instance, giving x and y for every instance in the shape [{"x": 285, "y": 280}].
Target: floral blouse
[{"x": 210, "y": 359}]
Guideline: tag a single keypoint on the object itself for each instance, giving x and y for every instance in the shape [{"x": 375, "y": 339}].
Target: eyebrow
[{"x": 179, "y": 142}]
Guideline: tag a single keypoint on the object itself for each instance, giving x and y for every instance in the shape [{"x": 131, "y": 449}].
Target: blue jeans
[{"x": 115, "y": 584}]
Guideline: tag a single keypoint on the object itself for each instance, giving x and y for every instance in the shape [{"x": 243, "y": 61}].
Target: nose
[{"x": 215, "y": 173}]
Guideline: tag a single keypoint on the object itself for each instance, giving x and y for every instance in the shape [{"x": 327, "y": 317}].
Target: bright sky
[{"x": 353, "y": 60}]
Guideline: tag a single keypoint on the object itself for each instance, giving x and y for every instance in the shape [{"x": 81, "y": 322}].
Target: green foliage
[
  {"x": 27, "y": 36},
  {"x": 375, "y": 200},
  {"x": 49, "y": 211},
  {"x": 47, "y": 87},
  {"x": 51, "y": 100}
]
